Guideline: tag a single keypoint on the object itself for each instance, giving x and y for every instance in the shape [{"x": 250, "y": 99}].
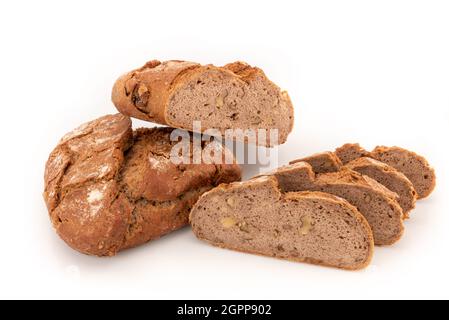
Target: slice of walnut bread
[
  {"x": 256, "y": 217},
  {"x": 378, "y": 204},
  {"x": 177, "y": 93},
  {"x": 108, "y": 188}
]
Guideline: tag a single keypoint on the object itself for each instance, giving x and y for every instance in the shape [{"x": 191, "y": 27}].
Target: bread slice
[
  {"x": 177, "y": 93},
  {"x": 312, "y": 227},
  {"x": 413, "y": 166},
  {"x": 108, "y": 189},
  {"x": 390, "y": 178},
  {"x": 351, "y": 151},
  {"x": 381, "y": 172},
  {"x": 378, "y": 204}
]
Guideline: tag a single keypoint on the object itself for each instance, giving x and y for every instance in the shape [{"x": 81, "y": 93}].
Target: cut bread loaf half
[
  {"x": 413, "y": 166},
  {"x": 236, "y": 96},
  {"x": 386, "y": 175},
  {"x": 312, "y": 227},
  {"x": 378, "y": 204},
  {"x": 108, "y": 188}
]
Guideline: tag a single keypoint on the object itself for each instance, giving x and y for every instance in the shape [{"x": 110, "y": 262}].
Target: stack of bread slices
[{"x": 329, "y": 209}]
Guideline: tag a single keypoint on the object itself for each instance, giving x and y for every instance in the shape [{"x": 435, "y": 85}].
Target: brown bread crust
[
  {"x": 145, "y": 93},
  {"x": 108, "y": 189}
]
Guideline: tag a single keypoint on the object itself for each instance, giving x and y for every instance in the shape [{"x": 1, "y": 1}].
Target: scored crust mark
[
  {"x": 378, "y": 204},
  {"x": 312, "y": 227},
  {"x": 177, "y": 93},
  {"x": 95, "y": 194}
]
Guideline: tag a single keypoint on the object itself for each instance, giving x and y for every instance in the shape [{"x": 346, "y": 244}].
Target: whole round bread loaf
[{"x": 108, "y": 188}]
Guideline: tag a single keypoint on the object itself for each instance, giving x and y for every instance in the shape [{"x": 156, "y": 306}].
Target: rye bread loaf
[
  {"x": 312, "y": 227},
  {"x": 381, "y": 172},
  {"x": 109, "y": 189},
  {"x": 377, "y": 204},
  {"x": 413, "y": 166},
  {"x": 177, "y": 93}
]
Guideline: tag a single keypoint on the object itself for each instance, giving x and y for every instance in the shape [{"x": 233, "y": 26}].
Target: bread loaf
[
  {"x": 177, "y": 93},
  {"x": 109, "y": 189}
]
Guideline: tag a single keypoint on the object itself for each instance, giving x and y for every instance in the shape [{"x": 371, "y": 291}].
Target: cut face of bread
[
  {"x": 323, "y": 162},
  {"x": 413, "y": 166},
  {"x": 109, "y": 189},
  {"x": 177, "y": 93},
  {"x": 350, "y": 152},
  {"x": 255, "y": 217},
  {"x": 386, "y": 175},
  {"x": 378, "y": 205},
  {"x": 390, "y": 178}
]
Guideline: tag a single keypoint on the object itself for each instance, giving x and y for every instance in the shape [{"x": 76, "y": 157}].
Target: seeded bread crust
[
  {"x": 109, "y": 189},
  {"x": 201, "y": 229},
  {"x": 145, "y": 93}
]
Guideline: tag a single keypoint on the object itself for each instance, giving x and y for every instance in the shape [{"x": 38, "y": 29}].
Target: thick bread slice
[
  {"x": 255, "y": 217},
  {"x": 378, "y": 204},
  {"x": 390, "y": 178},
  {"x": 177, "y": 93},
  {"x": 381, "y": 172},
  {"x": 413, "y": 166},
  {"x": 350, "y": 152},
  {"x": 108, "y": 189}
]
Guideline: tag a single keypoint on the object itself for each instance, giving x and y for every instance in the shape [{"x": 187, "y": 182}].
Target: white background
[{"x": 374, "y": 72}]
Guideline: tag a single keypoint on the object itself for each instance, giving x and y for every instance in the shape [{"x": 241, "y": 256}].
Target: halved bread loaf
[
  {"x": 381, "y": 172},
  {"x": 378, "y": 204},
  {"x": 413, "y": 166},
  {"x": 177, "y": 93},
  {"x": 108, "y": 189},
  {"x": 255, "y": 217}
]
